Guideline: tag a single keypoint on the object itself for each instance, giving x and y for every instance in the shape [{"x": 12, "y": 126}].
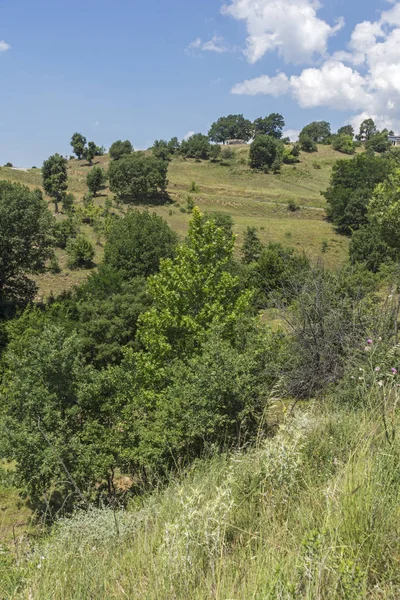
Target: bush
[
  {"x": 119, "y": 149},
  {"x": 378, "y": 142},
  {"x": 136, "y": 244},
  {"x": 368, "y": 247},
  {"x": 265, "y": 153},
  {"x": 80, "y": 253},
  {"x": 343, "y": 143},
  {"x": 292, "y": 206},
  {"x": 290, "y": 156},
  {"x": 8, "y": 164},
  {"x": 138, "y": 178},
  {"x": 95, "y": 180},
  {"x": 63, "y": 231},
  {"x": 215, "y": 152},
  {"x": 227, "y": 153},
  {"x": 351, "y": 187},
  {"x": 197, "y": 146},
  {"x": 307, "y": 144}
]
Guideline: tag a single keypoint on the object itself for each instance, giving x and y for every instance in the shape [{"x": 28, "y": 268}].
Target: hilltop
[{"x": 227, "y": 186}]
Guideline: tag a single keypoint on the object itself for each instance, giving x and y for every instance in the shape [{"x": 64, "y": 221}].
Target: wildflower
[
  {"x": 380, "y": 383},
  {"x": 394, "y": 371},
  {"x": 369, "y": 342},
  {"x": 361, "y": 369},
  {"x": 352, "y": 377},
  {"x": 377, "y": 369},
  {"x": 360, "y": 378}
]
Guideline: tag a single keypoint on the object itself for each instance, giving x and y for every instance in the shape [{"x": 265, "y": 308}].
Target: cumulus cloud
[
  {"x": 363, "y": 78},
  {"x": 290, "y": 27},
  {"x": 4, "y": 46},
  {"x": 216, "y": 44}
]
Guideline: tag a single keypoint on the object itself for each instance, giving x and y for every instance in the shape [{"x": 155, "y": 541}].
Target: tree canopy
[
  {"x": 137, "y": 176},
  {"x": 231, "y": 127},
  {"x": 54, "y": 173},
  {"x": 197, "y": 146},
  {"x": 78, "y": 143},
  {"x": 318, "y": 131},
  {"x": 271, "y": 125},
  {"x": 266, "y": 153},
  {"x": 25, "y": 241},
  {"x": 136, "y": 244},
  {"x": 119, "y": 149}
]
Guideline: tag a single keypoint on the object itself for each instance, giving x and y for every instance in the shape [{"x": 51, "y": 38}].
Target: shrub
[
  {"x": 307, "y": 144},
  {"x": 80, "y": 253},
  {"x": 215, "y": 152},
  {"x": 265, "y": 153},
  {"x": 96, "y": 179},
  {"x": 136, "y": 244},
  {"x": 292, "y": 206},
  {"x": 138, "y": 177},
  {"x": 194, "y": 187},
  {"x": 63, "y": 231},
  {"x": 227, "y": 153},
  {"x": 8, "y": 164},
  {"x": 119, "y": 149},
  {"x": 197, "y": 146},
  {"x": 343, "y": 143}
]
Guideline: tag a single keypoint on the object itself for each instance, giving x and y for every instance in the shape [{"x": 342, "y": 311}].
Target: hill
[{"x": 228, "y": 186}]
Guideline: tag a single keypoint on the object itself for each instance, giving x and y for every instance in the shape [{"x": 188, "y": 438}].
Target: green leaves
[
  {"x": 54, "y": 173},
  {"x": 192, "y": 293}
]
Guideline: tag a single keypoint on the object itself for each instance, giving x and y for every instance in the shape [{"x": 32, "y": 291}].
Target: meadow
[{"x": 228, "y": 186}]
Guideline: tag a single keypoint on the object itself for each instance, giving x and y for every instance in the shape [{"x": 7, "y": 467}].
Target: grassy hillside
[
  {"x": 310, "y": 514},
  {"x": 228, "y": 186}
]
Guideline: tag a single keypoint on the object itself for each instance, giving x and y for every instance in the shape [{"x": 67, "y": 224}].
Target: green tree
[
  {"x": 343, "y": 143},
  {"x": 80, "y": 252},
  {"x": 384, "y": 209},
  {"x": 318, "y": 131},
  {"x": 173, "y": 145},
  {"x": 119, "y": 148},
  {"x": 25, "y": 242},
  {"x": 307, "y": 144},
  {"x": 231, "y": 127},
  {"x": 215, "y": 152},
  {"x": 346, "y": 130},
  {"x": 137, "y": 243},
  {"x": 138, "y": 177},
  {"x": 96, "y": 179},
  {"x": 351, "y": 187},
  {"x": 379, "y": 142},
  {"x": 162, "y": 150},
  {"x": 78, "y": 143},
  {"x": 192, "y": 293},
  {"x": 266, "y": 153},
  {"x": 271, "y": 125},
  {"x": 367, "y": 247},
  {"x": 54, "y": 174},
  {"x": 367, "y": 130},
  {"x": 252, "y": 246},
  {"x": 197, "y": 146},
  {"x": 90, "y": 152}
]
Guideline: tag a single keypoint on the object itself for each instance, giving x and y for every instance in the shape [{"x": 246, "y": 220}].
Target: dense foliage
[
  {"x": 266, "y": 153},
  {"x": 25, "y": 242},
  {"x": 137, "y": 177}
]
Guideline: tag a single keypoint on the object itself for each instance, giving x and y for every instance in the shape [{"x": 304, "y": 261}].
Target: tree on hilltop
[
  {"x": 271, "y": 125},
  {"x": 78, "y": 143},
  {"x": 54, "y": 174},
  {"x": 231, "y": 127}
]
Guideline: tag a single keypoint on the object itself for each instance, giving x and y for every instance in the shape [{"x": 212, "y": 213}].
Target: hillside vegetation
[
  {"x": 202, "y": 408},
  {"x": 229, "y": 186}
]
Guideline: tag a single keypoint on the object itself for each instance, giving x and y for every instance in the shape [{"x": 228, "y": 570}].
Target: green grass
[
  {"x": 310, "y": 514},
  {"x": 229, "y": 186}
]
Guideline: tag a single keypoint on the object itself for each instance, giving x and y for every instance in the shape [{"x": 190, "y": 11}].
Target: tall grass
[{"x": 311, "y": 514}]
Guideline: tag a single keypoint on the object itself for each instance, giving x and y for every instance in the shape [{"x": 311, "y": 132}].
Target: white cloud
[
  {"x": 216, "y": 44},
  {"x": 188, "y": 135},
  {"x": 291, "y": 27},
  {"x": 363, "y": 78},
  {"x": 273, "y": 86},
  {"x": 4, "y": 46},
  {"x": 292, "y": 134}
]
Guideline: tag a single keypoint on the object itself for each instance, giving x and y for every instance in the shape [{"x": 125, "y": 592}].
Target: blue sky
[{"x": 145, "y": 70}]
